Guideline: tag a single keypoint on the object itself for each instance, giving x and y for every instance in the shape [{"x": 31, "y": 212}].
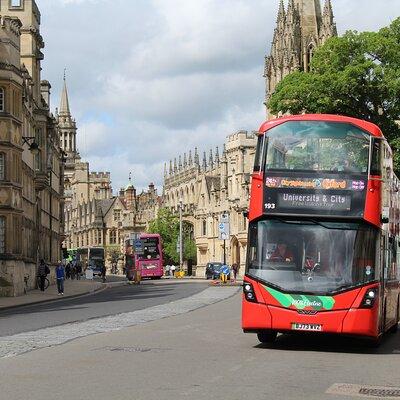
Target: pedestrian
[
  {"x": 68, "y": 271},
  {"x": 172, "y": 270},
  {"x": 43, "y": 271},
  {"x": 103, "y": 273},
  {"x": 235, "y": 270},
  {"x": 78, "y": 271},
  {"x": 167, "y": 270},
  {"x": 60, "y": 275}
]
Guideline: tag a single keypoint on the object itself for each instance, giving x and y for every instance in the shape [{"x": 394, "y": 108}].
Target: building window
[
  {"x": 117, "y": 215},
  {"x": 113, "y": 237},
  {"x": 2, "y": 235},
  {"x": 16, "y": 3},
  {"x": 2, "y": 170},
  {"x": 2, "y": 108},
  {"x": 204, "y": 228}
]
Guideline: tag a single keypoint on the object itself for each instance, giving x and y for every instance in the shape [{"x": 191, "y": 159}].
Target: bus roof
[{"x": 364, "y": 125}]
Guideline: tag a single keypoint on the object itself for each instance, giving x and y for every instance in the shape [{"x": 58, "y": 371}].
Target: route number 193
[{"x": 270, "y": 206}]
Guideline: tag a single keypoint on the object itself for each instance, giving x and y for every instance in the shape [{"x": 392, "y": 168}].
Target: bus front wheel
[{"x": 267, "y": 337}]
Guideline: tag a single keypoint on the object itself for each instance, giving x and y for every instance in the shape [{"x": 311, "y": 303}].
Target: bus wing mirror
[
  {"x": 384, "y": 220},
  {"x": 246, "y": 214}
]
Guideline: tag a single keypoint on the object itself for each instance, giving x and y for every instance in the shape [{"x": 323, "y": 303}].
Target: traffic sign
[
  {"x": 138, "y": 246},
  {"x": 223, "y": 230}
]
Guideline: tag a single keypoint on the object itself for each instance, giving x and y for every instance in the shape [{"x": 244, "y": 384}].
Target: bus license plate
[{"x": 306, "y": 327}]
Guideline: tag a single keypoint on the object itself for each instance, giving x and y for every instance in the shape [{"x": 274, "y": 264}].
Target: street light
[
  {"x": 180, "y": 236},
  {"x": 33, "y": 146}
]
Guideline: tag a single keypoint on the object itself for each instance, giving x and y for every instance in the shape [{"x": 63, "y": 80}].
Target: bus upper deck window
[
  {"x": 259, "y": 153},
  {"x": 376, "y": 158}
]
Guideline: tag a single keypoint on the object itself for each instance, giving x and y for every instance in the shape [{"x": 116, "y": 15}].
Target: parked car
[{"x": 213, "y": 270}]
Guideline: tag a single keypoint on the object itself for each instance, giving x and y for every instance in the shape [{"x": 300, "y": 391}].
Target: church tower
[
  {"x": 299, "y": 30},
  {"x": 67, "y": 127}
]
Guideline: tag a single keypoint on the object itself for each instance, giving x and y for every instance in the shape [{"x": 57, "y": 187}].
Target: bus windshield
[
  {"x": 150, "y": 248},
  {"x": 317, "y": 146},
  {"x": 312, "y": 256}
]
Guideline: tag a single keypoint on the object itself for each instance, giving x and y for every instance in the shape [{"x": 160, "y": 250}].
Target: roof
[
  {"x": 105, "y": 205},
  {"x": 213, "y": 181},
  {"x": 365, "y": 125}
]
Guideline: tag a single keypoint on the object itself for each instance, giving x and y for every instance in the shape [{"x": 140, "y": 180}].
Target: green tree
[
  {"x": 167, "y": 226},
  {"x": 356, "y": 75}
]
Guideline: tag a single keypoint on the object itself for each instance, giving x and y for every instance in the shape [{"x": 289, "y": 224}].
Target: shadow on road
[
  {"x": 146, "y": 291},
  {"x": 334, "y": 344}
]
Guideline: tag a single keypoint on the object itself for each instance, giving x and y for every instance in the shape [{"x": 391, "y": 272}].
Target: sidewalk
[{"x": 72, "y": 289}]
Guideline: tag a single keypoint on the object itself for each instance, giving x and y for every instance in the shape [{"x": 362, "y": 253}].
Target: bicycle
[{"x": 46, "y": 282}]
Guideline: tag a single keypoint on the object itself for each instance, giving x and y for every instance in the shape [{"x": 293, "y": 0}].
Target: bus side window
[
  {"x": 376, "y": 159},
  {"x": 259, "y": 154}
]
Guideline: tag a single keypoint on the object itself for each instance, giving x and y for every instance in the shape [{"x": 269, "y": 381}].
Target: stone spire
[
  {"x": 196, "y": 157},
  {"x": 180, "y": 163},
  {"x": 64, "y": 110},
  {"x": 67, "y": 127},
  {"x": 204, "y": 165},
  {"x": 190, "y": 158},
  {"x": 170, "y": 167},
  {"x": 217, "y": 156},
  {"x": 211, "y": 160},
  {"x": 298, "y": 32},
  {"x": 165, "y": 169},
  {"x": 175, "y": 166},
  {"x": 185, "y": 164},
  {"x": 328, "y": 27}
]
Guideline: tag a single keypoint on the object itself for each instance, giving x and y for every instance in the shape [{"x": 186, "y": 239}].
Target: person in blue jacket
[{"x": 60, "y": 275}]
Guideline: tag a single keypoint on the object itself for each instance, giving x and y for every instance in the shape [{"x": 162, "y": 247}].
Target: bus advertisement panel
[{"x": 323, "y": 243}]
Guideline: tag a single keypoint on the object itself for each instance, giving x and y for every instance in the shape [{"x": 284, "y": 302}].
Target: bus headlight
[
  {"x": 249, "y": 292},
  {"x": 369, "y": 298}
]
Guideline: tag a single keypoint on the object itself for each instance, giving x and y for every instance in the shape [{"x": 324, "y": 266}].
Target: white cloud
[{"x": 150, "y": 79}]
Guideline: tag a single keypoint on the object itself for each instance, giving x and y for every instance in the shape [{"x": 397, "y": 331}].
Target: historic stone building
[
  {"x": 299, "y": 30},
  {"x": 31, "y": 198},
  {"x": 93, "y": 215},
  {"x": 219, "y": 184}
]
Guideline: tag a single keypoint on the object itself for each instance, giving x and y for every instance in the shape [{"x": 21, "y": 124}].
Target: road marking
[{"x": 20, "y": 343}]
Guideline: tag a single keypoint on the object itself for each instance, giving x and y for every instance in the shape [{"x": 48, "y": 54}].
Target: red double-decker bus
[{"x": 323, "y": 242}]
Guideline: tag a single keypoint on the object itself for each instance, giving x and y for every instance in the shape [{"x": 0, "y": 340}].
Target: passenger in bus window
[{"x": 282, "y": 253}]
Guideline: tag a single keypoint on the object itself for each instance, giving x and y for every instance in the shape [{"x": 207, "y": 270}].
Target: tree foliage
[
  {"x": 167, "y": 226},
  {"x": 356, "y": 75}
]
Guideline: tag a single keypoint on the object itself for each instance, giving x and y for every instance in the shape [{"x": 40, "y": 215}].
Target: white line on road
[{"x": 27, "y": 341}]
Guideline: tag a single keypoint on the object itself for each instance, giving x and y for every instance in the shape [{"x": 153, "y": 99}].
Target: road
[
  {"x": 119, "y": 299},
  {"x": 200, "y": 354}
]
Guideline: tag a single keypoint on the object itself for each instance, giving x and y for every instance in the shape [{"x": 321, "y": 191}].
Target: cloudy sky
[{"x": 151, "y": 79}]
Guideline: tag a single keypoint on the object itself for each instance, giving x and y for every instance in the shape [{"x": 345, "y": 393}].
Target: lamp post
[
  {"x": 180, "y": 236},
  {"x": 33, "y": 146}
]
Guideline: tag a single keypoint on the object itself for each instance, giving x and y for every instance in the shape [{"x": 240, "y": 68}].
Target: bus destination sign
[
  {"x": 315, "y": 195},
  {"x": 331, "y": 202}
]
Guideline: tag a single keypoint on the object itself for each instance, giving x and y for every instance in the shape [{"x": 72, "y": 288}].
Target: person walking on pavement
[
  {"x": 60, "y": 275},
  {"x": 78, "y": 271},
  {"x": 68, "y": 271},
  {"x": 235, "y": 270},
  {"x": 103, "y": 273},
  {"x": 43, "y": 271},
  {"x": 173, "y": 270}
]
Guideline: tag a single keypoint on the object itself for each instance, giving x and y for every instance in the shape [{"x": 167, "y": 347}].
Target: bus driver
[{"x": 282, "y": 253}]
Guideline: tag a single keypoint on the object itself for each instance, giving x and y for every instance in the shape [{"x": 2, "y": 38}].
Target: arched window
[
  {"x": 2, "y": 100},
  {"x": 113, "y": 236}
]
